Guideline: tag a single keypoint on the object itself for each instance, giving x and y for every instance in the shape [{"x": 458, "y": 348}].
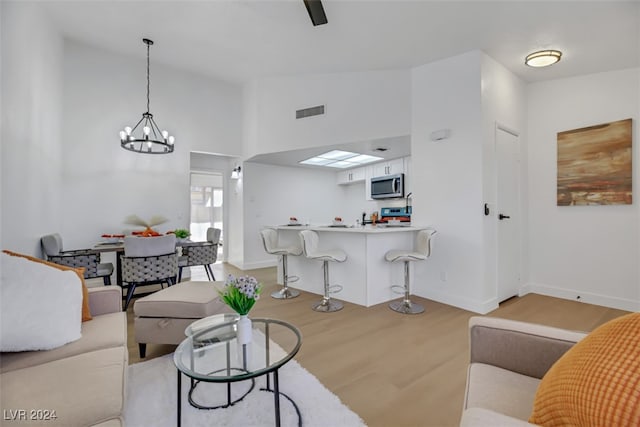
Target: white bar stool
[
  {"x": 421, "y": 253},
  {"x": 270, "y": 242},
  {"x": 310, "y": 248}
]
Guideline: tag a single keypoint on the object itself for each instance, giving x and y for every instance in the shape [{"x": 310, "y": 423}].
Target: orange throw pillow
[
  {"x": 86, "y": 313},
  {"x": 595, "y": 383}
]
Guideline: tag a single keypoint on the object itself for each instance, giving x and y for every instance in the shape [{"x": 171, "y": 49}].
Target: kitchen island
[{"x": 365, "y": 276}]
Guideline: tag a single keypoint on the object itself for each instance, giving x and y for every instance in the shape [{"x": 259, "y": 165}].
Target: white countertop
[{"x": 379, "y": 228}]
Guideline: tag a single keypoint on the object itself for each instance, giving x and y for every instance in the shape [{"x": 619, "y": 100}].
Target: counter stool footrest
[
  {"x": 334, "y": 289},
  {"x": 397, "y": 289},
  {"x": 291, "y": 279}
]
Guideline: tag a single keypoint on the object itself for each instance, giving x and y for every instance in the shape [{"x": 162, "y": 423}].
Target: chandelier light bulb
[
  {"x": 127, "y": 130},
  {"x": 149, "y": 145},
  {"x": 146, "y": 130},
  {"x": 171, "y": 140},
  {"x": 123, "y": 135},
  {"x": 165, "y": 134}
]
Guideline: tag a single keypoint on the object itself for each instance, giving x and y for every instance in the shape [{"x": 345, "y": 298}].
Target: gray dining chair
[
  {"x": 148, "y": 261},
  {"x": 80, "y": 258},
  {"x": 201, "y": 253}
]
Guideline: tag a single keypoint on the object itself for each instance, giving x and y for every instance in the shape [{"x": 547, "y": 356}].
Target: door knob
[{"x": 501, "y": 217}]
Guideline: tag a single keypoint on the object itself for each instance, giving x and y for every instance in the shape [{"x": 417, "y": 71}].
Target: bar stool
[
  {"x": 310, "y": 248},
  {"x": 421, "y": 253},
  {"x": 270, "y": 243}
]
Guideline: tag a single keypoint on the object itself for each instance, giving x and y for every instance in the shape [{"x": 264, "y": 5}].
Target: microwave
[{"x": 387, "y": 187}]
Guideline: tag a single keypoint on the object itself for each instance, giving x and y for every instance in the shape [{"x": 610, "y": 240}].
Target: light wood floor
[{"x": 393, "y": 369}]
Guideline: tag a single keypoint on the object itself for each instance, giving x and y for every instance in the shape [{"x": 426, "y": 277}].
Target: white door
[{"x": 507, "y": 213}]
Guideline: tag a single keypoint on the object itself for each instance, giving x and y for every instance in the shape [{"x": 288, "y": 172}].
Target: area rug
[{"x": 152, "y": 400}]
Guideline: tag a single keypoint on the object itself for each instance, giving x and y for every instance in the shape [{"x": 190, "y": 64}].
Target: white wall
[
  {"x": 447, "y": 179},
  {"x": 453, "y": 178},
  {"x": 587, "y": 251},
  {"x": 103, "y": 183},
  {"x": 359, "y": 106},
  {"x": 31, "y": 127}
]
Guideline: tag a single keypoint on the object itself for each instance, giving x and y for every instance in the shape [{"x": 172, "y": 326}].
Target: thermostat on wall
[{"x": 440, "y": 135}]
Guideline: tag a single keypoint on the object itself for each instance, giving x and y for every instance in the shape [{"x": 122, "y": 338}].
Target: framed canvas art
[{"x": 594, "y": 165}]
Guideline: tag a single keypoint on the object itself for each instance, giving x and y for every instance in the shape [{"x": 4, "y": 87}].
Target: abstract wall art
[{"x": 594, "y": 165}]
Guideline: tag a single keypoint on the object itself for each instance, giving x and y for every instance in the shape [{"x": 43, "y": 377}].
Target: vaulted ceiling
[{"x": 240, "y": 40}]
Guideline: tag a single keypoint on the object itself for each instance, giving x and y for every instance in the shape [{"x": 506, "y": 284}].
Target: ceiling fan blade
[{"x": 316, "y": 12}]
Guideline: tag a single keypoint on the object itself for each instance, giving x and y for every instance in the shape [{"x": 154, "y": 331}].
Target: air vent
[{"x": 308, "y": 112}]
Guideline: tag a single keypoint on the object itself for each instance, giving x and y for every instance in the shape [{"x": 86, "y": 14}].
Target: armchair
[
  {"x": 83, "y": 258},
  {"x": 508, "y": 360}
]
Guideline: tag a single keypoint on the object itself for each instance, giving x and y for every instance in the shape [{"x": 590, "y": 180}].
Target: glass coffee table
[{"x": 211, "y": 354}]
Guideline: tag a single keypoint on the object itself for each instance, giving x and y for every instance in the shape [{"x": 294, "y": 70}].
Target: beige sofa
[
  {"x": 83, "y": 381},
  {"x": 508, "y": 360}
]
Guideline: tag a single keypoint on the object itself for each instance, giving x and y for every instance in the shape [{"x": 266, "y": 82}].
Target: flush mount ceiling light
[
  {"x": 340, "y": 159},
  {"x": 543, "y": 58},
  {"x": 151, "y": 140}
]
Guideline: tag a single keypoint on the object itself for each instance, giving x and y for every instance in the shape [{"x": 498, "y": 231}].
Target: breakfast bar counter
[{"x": 365, "y": 276}]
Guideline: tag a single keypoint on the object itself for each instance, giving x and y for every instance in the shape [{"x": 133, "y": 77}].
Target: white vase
[{"x": 244, "y": 337}]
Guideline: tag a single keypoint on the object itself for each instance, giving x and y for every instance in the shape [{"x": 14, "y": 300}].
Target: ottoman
[{"x": 161, "y": 318}]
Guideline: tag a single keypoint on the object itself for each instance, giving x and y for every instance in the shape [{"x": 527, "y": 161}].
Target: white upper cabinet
[
  {"x": 388, "y": 167},
  {"x": 350, "y": 176}
]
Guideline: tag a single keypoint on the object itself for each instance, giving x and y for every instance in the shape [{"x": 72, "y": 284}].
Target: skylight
[{"x": 340, "y": 159}]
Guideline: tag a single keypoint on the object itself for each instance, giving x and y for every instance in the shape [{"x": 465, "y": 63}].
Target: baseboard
[
  {"x": 479, "y": 307},
  {"x": 253, "y": 265},
  {"x": 576, "y": 295}
]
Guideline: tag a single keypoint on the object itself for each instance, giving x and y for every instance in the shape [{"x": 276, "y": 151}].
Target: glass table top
[{"x": 212, "y": 353}]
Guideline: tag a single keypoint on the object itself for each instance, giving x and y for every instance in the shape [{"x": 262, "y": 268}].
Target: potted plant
[
  {"x": 181, "y": 233},
  {"x": 241, "y": 294}
]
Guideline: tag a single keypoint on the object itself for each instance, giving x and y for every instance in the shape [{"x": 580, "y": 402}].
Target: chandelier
[{"x": 150, "y": 139}]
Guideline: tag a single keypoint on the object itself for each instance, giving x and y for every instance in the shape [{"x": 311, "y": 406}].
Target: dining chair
[
  {"x": 201, "y": 253},
  {"x": 81, "y": 258},
  {"x": 148, "y": 261}
]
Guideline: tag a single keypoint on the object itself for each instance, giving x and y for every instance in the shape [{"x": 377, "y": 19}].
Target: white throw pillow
[{"x": 40, "y": 306}]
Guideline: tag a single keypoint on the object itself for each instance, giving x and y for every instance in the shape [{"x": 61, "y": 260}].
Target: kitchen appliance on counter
[
  {"x": 396, "y": 216},
  {"x": 387, "y": 187}
]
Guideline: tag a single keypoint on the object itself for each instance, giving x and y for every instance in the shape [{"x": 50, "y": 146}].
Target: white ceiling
[{"x": 239, "y": 40}]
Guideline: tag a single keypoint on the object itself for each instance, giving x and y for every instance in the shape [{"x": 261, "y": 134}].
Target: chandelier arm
[
  {"x": 157, "y": 133},
  {"x": 137, "y": 124}
]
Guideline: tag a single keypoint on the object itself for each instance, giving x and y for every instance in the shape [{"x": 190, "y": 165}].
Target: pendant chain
[{"x": 147, "y": 78}]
